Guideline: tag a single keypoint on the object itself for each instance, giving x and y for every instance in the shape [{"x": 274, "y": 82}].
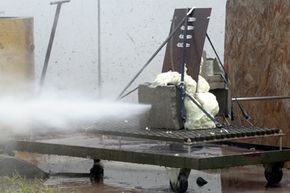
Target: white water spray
[{"x": 19, "y": 115}]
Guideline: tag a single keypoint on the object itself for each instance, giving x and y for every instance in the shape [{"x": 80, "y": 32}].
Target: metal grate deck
[{"x": 226, "y": 133}]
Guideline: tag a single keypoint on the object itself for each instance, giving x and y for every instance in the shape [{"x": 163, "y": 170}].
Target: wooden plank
[
  {"x": 16, "y": 55},
  {"x": 257, "y": 57}
]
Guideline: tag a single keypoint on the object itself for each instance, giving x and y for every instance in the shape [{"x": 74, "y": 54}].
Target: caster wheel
[
  {"x": 273, "y": 175},
  {"x": 181, "y": 185},
  {"x": 97, "y": 173}
]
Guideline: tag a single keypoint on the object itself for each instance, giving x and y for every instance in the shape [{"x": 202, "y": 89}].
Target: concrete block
[{"x": 165, "y": 105}]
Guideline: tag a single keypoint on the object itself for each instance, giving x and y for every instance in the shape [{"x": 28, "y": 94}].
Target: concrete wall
[{"x": 131, "y": 31}]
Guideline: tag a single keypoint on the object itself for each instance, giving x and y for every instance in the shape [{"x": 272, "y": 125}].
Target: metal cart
[{"x": 169, "y": 148}]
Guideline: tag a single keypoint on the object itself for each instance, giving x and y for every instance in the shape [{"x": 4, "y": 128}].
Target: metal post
[
  {"x": 281, "y": 143},
  {"x": 51, "y": 38},
  {"x": 99, "y": 49},
  {"x": 189, "y": 149},
  {"x": 181, "y": 87},
  {"x": 120, "y": 142}
]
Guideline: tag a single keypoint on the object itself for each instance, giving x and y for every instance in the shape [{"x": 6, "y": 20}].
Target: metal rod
[
  {"x": 154, "y": 54},
  {"x": 259, "y": 98},
  {"x": 203, "y": 110},
  {"x": 189, "y": 149},
  {"x": 244, "y": 113},
  {"x": 220, "y": 62},
  {"x": 181, "y": 87},
  {"x": 51, "y": 39},
  {"x": 281, "y": 143},
  {"x": 99, "y": 49},
  {"x": 249, "y": 122},
  {"x": 128, "y": 93},
  {"x": 59, "y": 2},
  {"x": 120, "y": 142},
  {"x": 183, "y": 50}
]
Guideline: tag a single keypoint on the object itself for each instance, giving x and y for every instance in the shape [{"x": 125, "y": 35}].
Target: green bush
[{"x": 18, "y": 184}]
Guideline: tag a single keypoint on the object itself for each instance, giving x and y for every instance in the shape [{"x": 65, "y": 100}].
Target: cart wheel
[
  {"x": 274, "y": 174},
  {"x": 97, "y": 172},
  {"x": 181, "y": 185}
]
